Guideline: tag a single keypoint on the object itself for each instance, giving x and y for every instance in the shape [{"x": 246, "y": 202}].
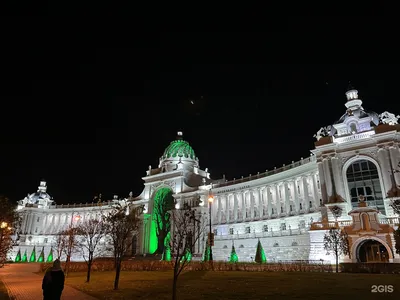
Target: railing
[
  {"x": 329, "y": 225},
  {"x": 77, "y": 205},
  {"x": 354, "y": 137},
  {"x": 267, "y": 173},
  {"x": 262, "y": 234}
]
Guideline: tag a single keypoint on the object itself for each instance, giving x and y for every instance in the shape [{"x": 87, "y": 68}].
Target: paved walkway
[{"x": 23, "y": 284}]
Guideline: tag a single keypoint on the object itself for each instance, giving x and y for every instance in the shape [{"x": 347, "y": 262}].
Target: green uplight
[
  {"x": 260, "y": 254},
  {"x": 18, "y": 257},
  {"x": 50, "y": 257},
  {"x": 33, "y": 255},
  {"x": 234, "y": 258},
  {"x": 24, "y": 257}
]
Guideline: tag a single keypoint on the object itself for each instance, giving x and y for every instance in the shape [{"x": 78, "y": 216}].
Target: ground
[
  {"x": 3, "y": 292},
  {"x": 237, "y": 285}
]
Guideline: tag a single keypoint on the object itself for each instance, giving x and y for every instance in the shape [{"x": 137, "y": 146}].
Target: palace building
[{"x": 349, "y": 181}]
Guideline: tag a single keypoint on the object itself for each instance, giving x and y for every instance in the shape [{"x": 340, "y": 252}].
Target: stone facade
[{"x": 288, "y": 209}]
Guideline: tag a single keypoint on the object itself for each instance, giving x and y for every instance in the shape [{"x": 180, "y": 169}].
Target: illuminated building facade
[{"x": 349, "y": 181}]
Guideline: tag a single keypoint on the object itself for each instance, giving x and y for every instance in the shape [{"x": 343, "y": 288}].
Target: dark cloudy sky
[{"x": 89, "y": 108}]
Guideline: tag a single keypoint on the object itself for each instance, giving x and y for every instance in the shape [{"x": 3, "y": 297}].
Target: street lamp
[
  {"x": 210, "y": 201},
  {"x": 4, "y": 225}
]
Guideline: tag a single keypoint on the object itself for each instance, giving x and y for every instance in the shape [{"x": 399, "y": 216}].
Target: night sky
[{"x": 88, "y": 108}]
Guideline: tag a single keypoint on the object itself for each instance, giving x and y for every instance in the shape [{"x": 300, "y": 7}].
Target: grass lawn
[
  {"x": 3, "y": 292},
  {"x": 237, "y": 285}
]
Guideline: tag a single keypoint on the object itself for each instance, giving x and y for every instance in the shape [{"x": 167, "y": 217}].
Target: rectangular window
[
  {"x": 230, "y": 230},
  {"x": 301, "y": 206},
  {"x": 247, "y": 229},
  {"x": 283, "y": 226},
  {"x": 265, "y": 228},
  {"x": 37, "y": 220},
  {"x": 45, "y": 240}
]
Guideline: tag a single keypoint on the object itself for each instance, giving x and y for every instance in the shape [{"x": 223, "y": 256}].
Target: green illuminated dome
[{"x": 179, "y": 148}]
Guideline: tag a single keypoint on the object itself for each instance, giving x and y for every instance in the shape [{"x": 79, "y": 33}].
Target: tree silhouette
[
  {"x": 187, "y": 230},
  {"x": 336, "y": 241},
  {"x": 163, "y": 203},
  {"x": 122, "y": 223},
  {"x": 91, "y": 232}
]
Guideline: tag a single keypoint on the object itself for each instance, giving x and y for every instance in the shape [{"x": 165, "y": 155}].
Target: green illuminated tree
[
  {"x": 41, "y": 256},
  {"x": 187, "y": 230},
  {"x": 33, "y": 255},
  {"x": 50, "y": 256},
  {"x": 18, "y": 257},
  {"x": 260, "y": 254},
  {"x": 122, "y": 223},
  {"x": 90, "y": 233},
  {"x": 10, "y": 222},
  {"x": 233, "y": 258},
  {"x": 167, "y": 248},
  {"x": 163, "y": 203},
  {"x": 24, "y": 257},
  {"x": 336, "y": 241}
]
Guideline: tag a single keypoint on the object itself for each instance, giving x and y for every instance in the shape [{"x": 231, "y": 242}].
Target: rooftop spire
[{"x": 179, "y": 135}]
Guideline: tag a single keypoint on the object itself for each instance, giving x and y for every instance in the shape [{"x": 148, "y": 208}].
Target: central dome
[{"x": 179, "y": 148}]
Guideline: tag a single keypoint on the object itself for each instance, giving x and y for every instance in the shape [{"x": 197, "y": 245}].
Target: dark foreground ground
[{"x": 238, "y": 285}]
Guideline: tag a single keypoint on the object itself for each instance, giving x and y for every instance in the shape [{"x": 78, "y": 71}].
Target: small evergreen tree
[
  {"x": 336, "y": 241},
  {"x": 33, "y": 255},
  {"x": 207, "y": 252},
  {"x": 233, "y": 258},
  {"x": 18, "y": 257},
  {"x": 260, "y": 255},
  {"x": 41, "y": 256}
]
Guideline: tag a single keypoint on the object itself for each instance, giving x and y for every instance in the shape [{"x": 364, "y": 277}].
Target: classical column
[
  {"x": 295, "y": 195},
  {"x": 251, "y": 200},
  {"x": 321, "y": 173},
  {"x": 395, "y": 160},
  {"x": 338, "y": 179},
  {"x": 286, "y": 197},
  {"x": 316, "y": 193},
  {"x": 306, "y": 193},
  {"x": 235, "y": 207},
  {"x": 242, "y": 198},
  {"x": 328, "y": 178},
  {"x": 227, "y": 208},
  {"x": 269, "y": 201},
  {"x": 261, "y": 200},
  {"x": 219, "y": 209},
  {"x": 277, "y": 199},
  {"x": 383, "y": 158}
]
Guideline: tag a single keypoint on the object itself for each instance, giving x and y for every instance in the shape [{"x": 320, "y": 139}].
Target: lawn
[
  {"x": 3, "y": 292},
  {"x": 237, "y": 285}
]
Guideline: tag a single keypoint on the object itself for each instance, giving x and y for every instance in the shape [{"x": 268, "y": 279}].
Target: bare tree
[
  {"x": 187, "y": 230},
  {"x": 9, "y": 224},
  {"x": 163, "y": 203},
  {"x": 60, "y": 243},
  {"x": 397, "y": 240},
  {"x": 395, "y": 204},
  {"x": 71, "y": 244},
  {"x": 336, "y": 241},
  {"x": 90, "y": 233},
  {"x": 122, "y": 223}
]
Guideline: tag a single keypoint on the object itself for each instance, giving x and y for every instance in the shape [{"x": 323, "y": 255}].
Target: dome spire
[{"x": 179, "y": 135}]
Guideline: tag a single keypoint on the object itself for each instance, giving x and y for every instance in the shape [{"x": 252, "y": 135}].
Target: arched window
[
  {"x": 353, "y": 128},
  {"x": 363, "y": 180}
]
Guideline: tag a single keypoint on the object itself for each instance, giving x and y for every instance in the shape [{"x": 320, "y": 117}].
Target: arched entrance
[{"x": 372, "y": 251}]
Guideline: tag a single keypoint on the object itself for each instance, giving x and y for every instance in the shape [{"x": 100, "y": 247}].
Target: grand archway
[
  {"x": 372, "y": 251},
  {"x": 163, "y": 202}
]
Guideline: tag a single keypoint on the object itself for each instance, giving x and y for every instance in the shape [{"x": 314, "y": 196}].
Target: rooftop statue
[{"x": 388, "y": 118}]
